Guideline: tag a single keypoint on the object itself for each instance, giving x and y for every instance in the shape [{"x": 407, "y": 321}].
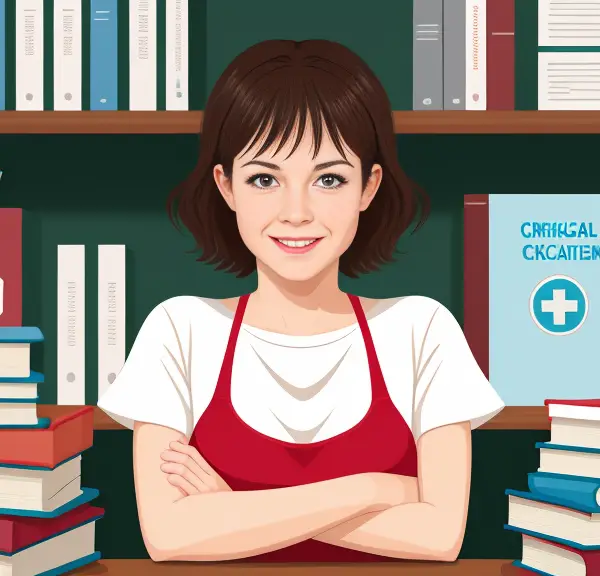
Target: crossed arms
[{"x": 187, "y": 512}]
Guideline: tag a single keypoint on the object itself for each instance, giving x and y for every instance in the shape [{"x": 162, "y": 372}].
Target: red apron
[{"x": 249, "y": 460}]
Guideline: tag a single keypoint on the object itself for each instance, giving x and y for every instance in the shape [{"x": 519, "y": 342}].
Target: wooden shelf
[
  {"x": 149, "y": 568},
  {"x": 511, "y": 418},
  {"x": 406, "y": 122}
]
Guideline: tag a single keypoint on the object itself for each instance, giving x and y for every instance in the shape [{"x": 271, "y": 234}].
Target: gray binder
[{"x": 428, "y": 62}]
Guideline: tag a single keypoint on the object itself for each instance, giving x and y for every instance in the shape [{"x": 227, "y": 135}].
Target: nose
[{"x": 295, "y": 207}]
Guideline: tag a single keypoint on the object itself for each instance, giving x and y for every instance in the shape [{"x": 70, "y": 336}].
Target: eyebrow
[{"x": 321, "y": 166}]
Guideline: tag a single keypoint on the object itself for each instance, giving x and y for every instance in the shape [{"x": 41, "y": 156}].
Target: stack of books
[
  {"x": 559, "y": 518},
  {"x": 47, "y": 524}
]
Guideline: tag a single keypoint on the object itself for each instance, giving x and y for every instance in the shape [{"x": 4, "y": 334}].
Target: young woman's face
[{"x": 298, "y": 214}]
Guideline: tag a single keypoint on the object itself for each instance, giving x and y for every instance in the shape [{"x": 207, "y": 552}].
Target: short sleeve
[
  {"x": 450, "y": 386},
  {"x": 152, "y": 385}
]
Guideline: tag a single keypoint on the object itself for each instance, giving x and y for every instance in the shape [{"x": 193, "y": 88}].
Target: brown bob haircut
[{"x": 268, "y": 94}]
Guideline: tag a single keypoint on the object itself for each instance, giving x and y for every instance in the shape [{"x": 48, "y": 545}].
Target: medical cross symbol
[{"x": 559, "y": 306}]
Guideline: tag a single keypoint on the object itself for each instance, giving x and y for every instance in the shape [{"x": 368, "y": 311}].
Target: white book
[
  {"x": 111, "y": 314},
  {"x": 568, "y": 23},
  {"x": 67, "y": 54},
  {"x": 568, "y": 80},
  {"x": 29, "y": 62},
  {"x": 177, "y": 55},
  {"x": 17, "y": 414},
  {"x": 142, "y": 55},
  {"x": 70, "y": 373},
  {"x": 476, "y": 69}
]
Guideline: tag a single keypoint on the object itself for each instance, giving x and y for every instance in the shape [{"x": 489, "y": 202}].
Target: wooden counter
[{"x": 149, "y": 568}]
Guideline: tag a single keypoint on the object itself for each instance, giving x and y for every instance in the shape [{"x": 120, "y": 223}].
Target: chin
[{"x": 297, "y": 272}]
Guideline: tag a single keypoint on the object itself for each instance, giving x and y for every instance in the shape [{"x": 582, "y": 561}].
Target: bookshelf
[
  {"x": 149, "y": 568},
  {"x": 406, "y": 122},
  {"x": 511, "y": 418}
]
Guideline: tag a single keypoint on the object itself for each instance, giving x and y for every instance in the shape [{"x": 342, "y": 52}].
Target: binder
[
  {"x": 67, "y": 54},
  {"x": 29, "y": 35}
]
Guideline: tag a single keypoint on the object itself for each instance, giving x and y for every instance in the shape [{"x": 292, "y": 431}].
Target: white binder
[
  {"x": 29, "y": 46},
  {"x": 67, "y": 54}
]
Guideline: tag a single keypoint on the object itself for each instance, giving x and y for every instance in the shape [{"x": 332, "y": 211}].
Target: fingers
[
  {"x": 183, "y": 461},
  {"x": 188, "y": 475},
  {"x": 190, "y": 451},
  {"x": 180, "y": 482}
]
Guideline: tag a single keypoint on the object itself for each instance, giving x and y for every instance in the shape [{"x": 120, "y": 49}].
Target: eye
[
  {"x": 331, "y": 181},
  {"x": 262, "y": 181}
]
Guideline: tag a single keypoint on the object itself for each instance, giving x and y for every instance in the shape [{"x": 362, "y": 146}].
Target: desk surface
[{"x": 149, "y": 568}]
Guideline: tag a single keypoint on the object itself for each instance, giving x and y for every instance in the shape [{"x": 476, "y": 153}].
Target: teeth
[{"x": 297, "y": 243}]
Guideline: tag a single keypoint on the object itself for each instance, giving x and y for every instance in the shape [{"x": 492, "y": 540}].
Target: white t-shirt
[{"x": 301, "y": 388}]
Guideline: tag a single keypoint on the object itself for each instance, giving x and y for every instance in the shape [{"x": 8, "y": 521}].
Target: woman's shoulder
[{"x": 416, "y": 308}]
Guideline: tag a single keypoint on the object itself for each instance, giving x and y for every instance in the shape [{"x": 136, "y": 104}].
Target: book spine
[
  {"x": 111, "y": 314},
  {"x": 428, "y": 63},
  {"x": 177, "y": 55},
  {"x": 67, "y": 54},
  {"x": 526, "y": 56},
  {"x": 142, "y": 55},
  {"x": 475, "y": 38},
  {"x": 501, "y": 55},
  {"x": 70, "y": 337},
  {"x": 454, "y": 54},
  {"x": 476, "y": 277},
  {"x": 562, "y": 487},
  {"x": 29, "y": 40},
  {"x": 2, "y": 54},
  {"x": 11, "y": 267},
  {"x": 103, "y": 55}
]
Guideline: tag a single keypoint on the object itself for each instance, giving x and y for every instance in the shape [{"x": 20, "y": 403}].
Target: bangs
[{"x": 281, "y": 106}]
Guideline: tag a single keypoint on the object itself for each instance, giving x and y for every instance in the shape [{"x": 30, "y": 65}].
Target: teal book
[
  {"x": 578, "y": 490},
  {"x": 531, "y": 293}
]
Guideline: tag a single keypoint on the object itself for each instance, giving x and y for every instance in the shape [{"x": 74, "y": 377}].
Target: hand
[{"x": 188, "y": 471}]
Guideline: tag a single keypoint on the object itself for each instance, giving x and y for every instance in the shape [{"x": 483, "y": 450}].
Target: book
[
  {"x": 29, "y": 65},
  {"x": 575, "y": 460},
  {"x": 500, "y": 52},
  {"x": 11, "y": 267},
  {"x": 476, "y": 40},
  {"x": 64, "y": 437},
  {"x": 15, "y": 343},
  {"x": 20, "y": 532},
  {"x": 578, "y": 490},
  {"x": 454, "y": 55},
  {"x": 67, "y": 54},
  {"x": 70, "y": 325},
  {"x": 177, "y": 54},
  {"x": 552, "y": 517},
  {"x": 554, "y": 558},
  {"x": 529, "y": 278},
  {"x": 142, "y": 55},
  {"x": 104, "y": 53},
  {"x": 575, "y": 422},
  {"x": 2, "y": 55},
  {"x": 568, "y": 56},
  {"x": 21, "y": 388},
  {"x": 111, "y": 314},
  {"x": 18, "y": 411},
  {"x": 40, "y": 489},
  {"x": 428, "y": 63}
]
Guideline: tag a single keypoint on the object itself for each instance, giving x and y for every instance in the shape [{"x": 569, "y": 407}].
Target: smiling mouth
[{"x": 296, "y": 245}]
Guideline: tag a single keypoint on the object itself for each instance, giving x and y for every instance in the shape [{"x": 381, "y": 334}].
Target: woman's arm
[
  {"x": 224, "y": 525},
  {"x": 433, "y": 528}
]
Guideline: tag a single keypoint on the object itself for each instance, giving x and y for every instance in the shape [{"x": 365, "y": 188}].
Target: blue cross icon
[{"x": 558, "y": 305}]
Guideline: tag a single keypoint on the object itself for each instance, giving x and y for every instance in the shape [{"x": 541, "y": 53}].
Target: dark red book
[
  {"x": 18, "y": 532},
  {"x": 11, "y": 266},
  {"x": 500, "y": 55},
  {"x": 476, "y": 278}
]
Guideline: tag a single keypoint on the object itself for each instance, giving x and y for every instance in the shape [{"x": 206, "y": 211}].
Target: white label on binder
[
  {"x": 177, "y": 49},
  {"x": 111, "y": 314},
  {"x": 70, "y": 375},
  {"x": 29, "y": 47},
  {"x": 67, "y": 54},
  {"x": 142, "y": 55}
]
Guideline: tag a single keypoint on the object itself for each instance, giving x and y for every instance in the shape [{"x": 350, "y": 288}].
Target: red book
[
  {"x": 585, "y": 409},
  {"x": 67, "y": 435},
  {"x": 11, "y": 266},
  {"x": 18, "y": 532},
  {"x": 501, "y": 55},
  {"x": 476, "y": 283}
]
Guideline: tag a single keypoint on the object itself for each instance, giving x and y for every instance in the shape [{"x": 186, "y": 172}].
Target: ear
[
  {"x": 371, "y": 186},
  {"x": 224, "y": 185}
]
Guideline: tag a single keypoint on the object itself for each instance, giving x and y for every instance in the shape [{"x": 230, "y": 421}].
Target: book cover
[
  {"x": 103, "y": 55},
  {"x": 67, "y": 54},
  {"x": 454, "y": 54},
  {"x": 501, "y": 55},
  {"x": 428, "y": 62},
  {"x": 29, "y": 64},
  {"x": 142, "y": 55},
  {"x": 579, "y": 490},
  {"x": 530, "y": 287},
  {"x": 476, "y": 66},
  {"x": 177, "y": 54},
  {"x": 11, "y": 266}
]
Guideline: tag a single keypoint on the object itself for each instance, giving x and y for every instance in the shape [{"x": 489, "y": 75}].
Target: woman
[{"x": 300, "y": 423}]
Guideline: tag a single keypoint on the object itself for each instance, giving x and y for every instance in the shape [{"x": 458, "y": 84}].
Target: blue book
[
  {"x": 531, "y": 283},
  {"x": 2, "y": 55},
  {"x": 33, "y": 378},
  {"x": 103, "y": 55},
  {"x": 579, "y": 490},
  {"x": 20, "y": 335}
]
